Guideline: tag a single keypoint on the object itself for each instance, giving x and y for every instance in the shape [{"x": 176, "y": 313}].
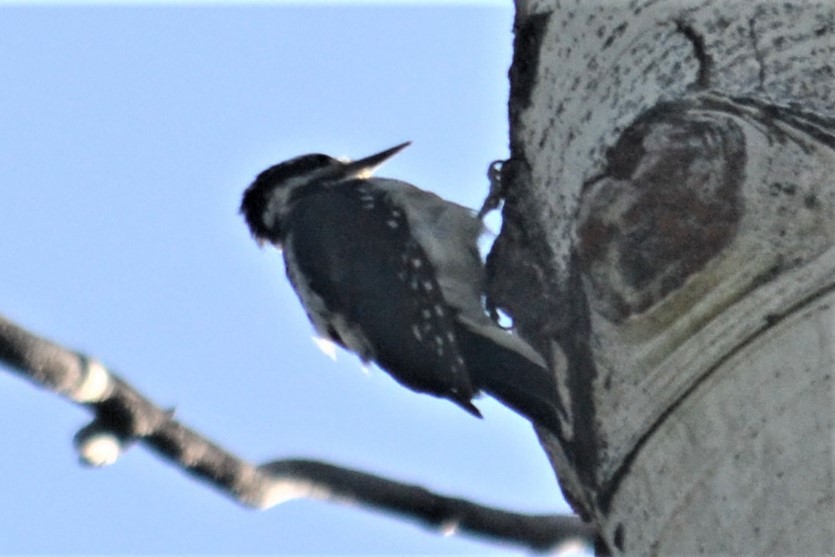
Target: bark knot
[{"x": 667, "y": 203}]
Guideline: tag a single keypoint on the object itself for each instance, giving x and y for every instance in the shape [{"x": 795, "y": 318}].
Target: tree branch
[{"x": 123, "y": 416}]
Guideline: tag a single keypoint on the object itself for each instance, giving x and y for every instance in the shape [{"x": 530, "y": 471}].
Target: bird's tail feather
[{"x": 510, "y": 371}]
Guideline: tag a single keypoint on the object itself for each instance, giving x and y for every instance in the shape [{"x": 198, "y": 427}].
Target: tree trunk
[{"x": 668, "y": 238}]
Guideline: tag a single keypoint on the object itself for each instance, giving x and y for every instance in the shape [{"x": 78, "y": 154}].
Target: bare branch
[
  {"x": 123, "y": 415},
  {"x": 448, "y": 514}
]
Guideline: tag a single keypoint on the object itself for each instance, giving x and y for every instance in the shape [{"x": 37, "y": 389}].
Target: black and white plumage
[{"x": 392, "y": 273}]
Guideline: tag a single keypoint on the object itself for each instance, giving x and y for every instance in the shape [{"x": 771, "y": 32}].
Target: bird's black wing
[{"x": 355, "y": 250}]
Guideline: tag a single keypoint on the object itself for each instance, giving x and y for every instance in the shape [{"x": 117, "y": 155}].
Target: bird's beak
[{"x": 363, "y": 168}]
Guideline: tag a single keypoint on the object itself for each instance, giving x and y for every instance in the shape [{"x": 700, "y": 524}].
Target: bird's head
[{"x": 265, "y": 200}]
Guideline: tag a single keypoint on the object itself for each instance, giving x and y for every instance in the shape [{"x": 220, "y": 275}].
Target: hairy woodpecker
[{"x": 392, "y": 273}]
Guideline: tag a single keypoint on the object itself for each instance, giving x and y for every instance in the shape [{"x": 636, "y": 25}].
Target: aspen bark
[{"x": 669, "y": 238}]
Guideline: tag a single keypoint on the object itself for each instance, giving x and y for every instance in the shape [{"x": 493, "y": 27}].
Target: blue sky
[{"x": 128, "y": 136}]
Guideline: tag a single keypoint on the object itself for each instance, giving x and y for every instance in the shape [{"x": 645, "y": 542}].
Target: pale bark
[{"x": 668, "y": 237}]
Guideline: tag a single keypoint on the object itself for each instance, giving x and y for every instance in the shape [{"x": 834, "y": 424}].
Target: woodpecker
[{"x": 392, "y": 273}]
